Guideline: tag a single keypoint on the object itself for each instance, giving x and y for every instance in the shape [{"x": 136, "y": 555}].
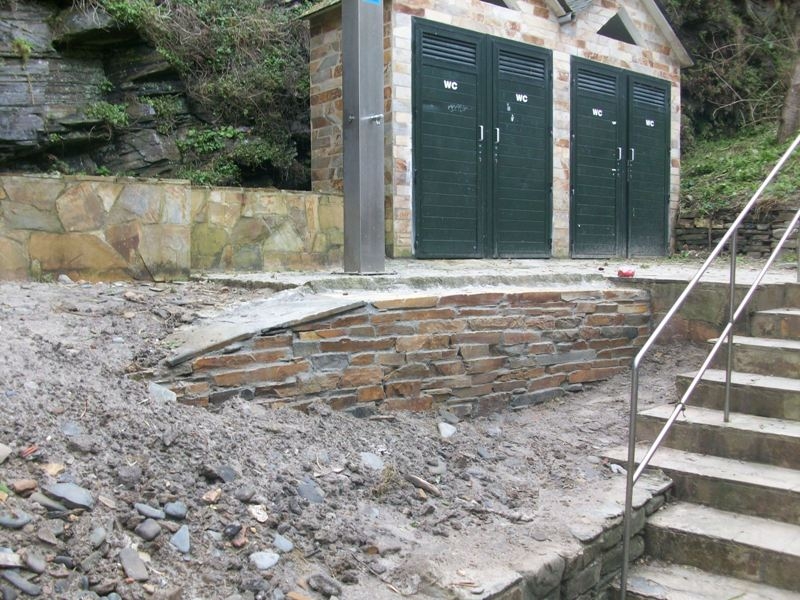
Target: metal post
[
  {"x": 362, "y": 83},
  {"x": 731, "y": 313}
]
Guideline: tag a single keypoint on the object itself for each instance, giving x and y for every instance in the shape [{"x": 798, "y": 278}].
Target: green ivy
[{"x": 115, "y": 116}]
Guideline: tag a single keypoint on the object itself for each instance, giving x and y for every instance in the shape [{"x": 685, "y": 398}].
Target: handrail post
[
  {"x": 731, "y": 311},
  {"x": 627, "y": 517}
]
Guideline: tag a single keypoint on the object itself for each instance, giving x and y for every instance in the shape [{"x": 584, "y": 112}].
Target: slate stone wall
[
  {"x": 473, "y": 353},
  {"x": 105, "y": 228}
]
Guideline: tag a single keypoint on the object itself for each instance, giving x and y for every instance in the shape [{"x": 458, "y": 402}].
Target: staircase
[{"x": 733, "y": 530}]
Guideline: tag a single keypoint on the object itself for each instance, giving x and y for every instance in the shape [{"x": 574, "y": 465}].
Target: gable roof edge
[{"x": 655, "y": 11}]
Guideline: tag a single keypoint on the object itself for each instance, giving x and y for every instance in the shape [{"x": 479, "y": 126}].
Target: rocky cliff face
[{"x": 59, "y": 67}]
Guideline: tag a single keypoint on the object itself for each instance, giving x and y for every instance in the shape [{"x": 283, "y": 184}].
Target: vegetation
[
  {"x": 115, "y": 116},
  {"x": 245, "y": 65},
  {"x": 723, "y": 174}
]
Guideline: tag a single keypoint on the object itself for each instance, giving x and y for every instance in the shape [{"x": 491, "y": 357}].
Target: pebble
[
  {"x": 324, "y": 585},
  {"x": 159, "y": 393},
  {"x": 372, "y": 461},
  {"x": 221, "y": 472},
  {"x": 46, "y": 502},
  {"x": 129, "y": 476},
  {"x": 67, "y": 561},
  {"x": 89, "y": 563},
  {"x": 258, "y": 512},
  {"x": 133, "y": 565},
  {"x": 35, "y": 562},
  {"x": 65, "y": 279},
  {"x": 264, "y": 560},
  {"x": 71, "y": 428},
  {"x": 5, "y": 452},
  {"x": 46, "y": 535},
  {"x": 72, "y": 495},
  {"x": 232, "y": 530},
  {"x": 181, "y": 540},
  {"x": 19, "y": 582},
  {"x": 23, "y": 487},
  {"x": 244, "y": 493},
  {"x": 282, "y": 544},
  {"x": 446, "y": 430},
  {"x": 148, "y": 511},
  {"x": 148, "y": 529},
  {"x": 212, "y": 496},
  {"x": 98, "y": 537},
  {"x": 9, "y": 559},
  {"x": 14, "y": 519},
  {"x": 311, "y": 492},
  {"x": 176, "y": 510}
]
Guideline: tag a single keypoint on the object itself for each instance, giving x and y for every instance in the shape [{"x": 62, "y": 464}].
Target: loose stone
[
  {"x": 232, "y": 530},
  {"x": 133, "y": 566},
  {"x": 264, "y": 560},
  {"x": 72, "y": 495},
  {"x": 148, "y": 511},
  {"x": 181, "y": 540},
  {"x": 14, "y": 519},
  {"x": 176, "y": 510},
  {"x": 324, "y": 585},
  {"x": 9, "y": 559},
  {"x": 282, "y": 544},
  {"x": 372, "y": 461},
  {"x": 35, "y": 562},
  {"x": 47, "y": 503},
  {"x": 446, "y": 430},
  {"x": 18, "y": 581},
  {"x": 258, "y": 512},
  {"x": 148, "y": 529},
  {"x": 311, "y": 492},
  {"x": 5, "y": 452},
  {"x": 98, "y": 537}
]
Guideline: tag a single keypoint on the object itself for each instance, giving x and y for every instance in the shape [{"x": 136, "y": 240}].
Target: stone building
[{"x": 516, "y": 128}]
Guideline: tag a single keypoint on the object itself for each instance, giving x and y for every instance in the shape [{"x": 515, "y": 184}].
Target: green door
[
  {"x": 620, "y": 162},
  {"x": 522, "y": 151},
  {"x": 648, "y": 166},
  {"x": 596, "y": 203},
  {"x": 447, "y": 150},
  {"x": 482, "y": 145}
]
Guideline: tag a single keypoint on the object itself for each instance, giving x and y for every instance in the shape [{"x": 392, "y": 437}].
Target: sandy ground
[{"x": 325, "y": 497}]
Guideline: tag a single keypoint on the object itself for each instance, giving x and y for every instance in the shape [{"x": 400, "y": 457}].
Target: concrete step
[
  {"x": 735, "y": 545},
  {"x": 791, "y": 295},
  {"x": 744, "y": 437},
  {"x": 751, "y": 393},
  {"x": 767, "y": 356},
  {"x": 665, "y": 581},
  {"x": 776, "y": 323},
  {"x": 733, "y": 485}
]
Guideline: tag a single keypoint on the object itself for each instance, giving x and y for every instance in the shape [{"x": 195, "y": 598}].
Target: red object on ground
[{"x": 626, "y": 273}]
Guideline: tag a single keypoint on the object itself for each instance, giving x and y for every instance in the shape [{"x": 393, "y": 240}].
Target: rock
[
  {"x": 148, "y": 511},
  {"x": 231, "y": 530},
  {"x": 129, "y": 476},
  {"x": 14, "y": 519},
  {"x": 18, "y": 581},
  {"x": 65, "y": 279},
  {"x": 159, "y": 393},
  {"x": 372, "y": 461},
  {"x": 219, "y": 473},
  {"x": 90, "y": 563},
  {"x": 148, "y": 530},
  {"x": 265, "y": 560},
  {"x": 309, "y": 490},
  {"x": 176, "y": 510},
  {"x": 67, "y": 561},
  {"x": 5, "y": 452},
  {"x": 47, "y": 503},
  {"x": 98, "y": 537},
  {"x": 324, "y": 585},
  {"x": 72, "y": 495},
  {"x": 46, "y": 535},
  {"x": 71, "y": 428},
  {"x": 181, "y": 540},
  {"x": 244, "y": 493},
  {"x": 34, "y": 561},
  {"x": 23, "y": 487},
  {"x": 258, "y": 512},
  {"x": 212, "y": 496},
  {"x": 10, "y": 559},
  {"x": 133, "y": 565},
  {"x": 282, "y": 544},
  {"x": 446, "y": 430}
]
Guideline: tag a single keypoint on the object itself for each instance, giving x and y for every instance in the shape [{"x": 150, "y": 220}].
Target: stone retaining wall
[
  {"x": 105, "y": 228},
  {"x": 474, "y": 353},
  {"x": 758, "y": 234}
]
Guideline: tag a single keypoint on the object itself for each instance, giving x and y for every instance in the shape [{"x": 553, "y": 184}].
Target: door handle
[
  {"x": 619, "y": 152},
  {"x": 481, "y": 128},
  {"x": 633, "y": 154},
  {"x": 497, "y": 135}
]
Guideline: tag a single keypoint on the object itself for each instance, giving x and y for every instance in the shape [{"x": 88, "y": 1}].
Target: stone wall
[
  {"x": 105, "y": 228},
  {"x": 531, "y": 22},
  {"x": 474, "y": 353},
  {"x": 757, "y": 237}
]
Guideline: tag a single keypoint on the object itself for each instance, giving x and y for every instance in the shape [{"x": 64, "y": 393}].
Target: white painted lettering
[
  {"x": 522, "y": 97},
  {"x": 650, "y": 122},
  {"x": 450, "y": 85},
  {"x": 597, "y": 112}
]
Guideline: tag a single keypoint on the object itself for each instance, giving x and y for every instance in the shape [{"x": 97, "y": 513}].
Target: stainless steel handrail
[{"x": 634, "y": 473}]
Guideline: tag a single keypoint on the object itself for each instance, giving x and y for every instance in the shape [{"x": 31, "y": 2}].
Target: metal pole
[
  {"x": 731, "y": 312},
  {"x": 627, "y": 517},
  {"x": 362, "y": 83}
]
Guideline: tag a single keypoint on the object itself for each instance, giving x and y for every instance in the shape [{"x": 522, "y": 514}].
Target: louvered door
[
  {"x": 482, "y": 111},
  {"x": 448, "y": 180},
  {"x": 521, "y": 151},
  {"x": 648, "y": 166}
]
